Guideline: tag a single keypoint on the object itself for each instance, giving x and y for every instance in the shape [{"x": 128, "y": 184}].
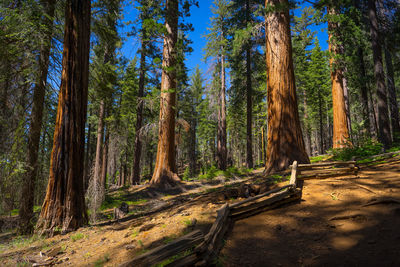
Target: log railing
[
  {"x": 201, "y": 250},
  {"x": 326, "y": 170}
]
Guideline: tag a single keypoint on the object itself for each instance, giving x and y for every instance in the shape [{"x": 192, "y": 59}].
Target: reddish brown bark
[
  {"x": 340, "y": 125},
  {"x": 382, "y": 105},
  {"x": 165, "y": 169},
  {"x": 285, "y": 140},
  {"x": 64, "y": 204},
  {"x": 28, "y": 187}
]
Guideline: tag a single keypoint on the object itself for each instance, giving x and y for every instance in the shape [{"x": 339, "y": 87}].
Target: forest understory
[{"x": 344, "y": 220}]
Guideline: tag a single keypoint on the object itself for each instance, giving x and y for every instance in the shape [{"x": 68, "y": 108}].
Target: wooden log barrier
[
  {"x": 189, "y": 260},
  {"x": 250, "y": 199},
  {"x": 173, "y": 248},
  {"x": 328, "y": 173},
  {"x": 331, "y": 163},
  {"x": 293, "y": 176},
  {"x": 296, "y": 195},
  {"x": 222, "y": 217}
]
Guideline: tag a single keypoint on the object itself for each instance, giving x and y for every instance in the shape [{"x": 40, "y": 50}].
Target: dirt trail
[{"x": 330, "y": 226}]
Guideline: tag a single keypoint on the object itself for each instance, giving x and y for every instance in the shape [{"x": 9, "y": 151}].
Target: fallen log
[
  {"x": 159, "y": 254},
  {"x": 296, "y": 196},
  {"x": 382, "y": 200}
]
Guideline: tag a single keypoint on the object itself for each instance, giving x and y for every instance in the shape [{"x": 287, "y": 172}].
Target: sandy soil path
[{"x": 330, "y": 226}]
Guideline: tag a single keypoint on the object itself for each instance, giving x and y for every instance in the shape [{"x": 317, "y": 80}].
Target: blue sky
[{"x": 200, "y": 18}]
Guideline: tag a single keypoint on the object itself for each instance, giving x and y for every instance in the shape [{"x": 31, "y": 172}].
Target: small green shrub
[
  {"x": 77, "y": 237},
  {"x": 369, "y": 148},
  {"x": 100, "y": 262},
  {"x": 319, "y": 158},
  {"x": 231, "y": 171},
  {"x": 187, "y": 222},
  {"x": 22, "y": 241},
  {"x": 111, "y": 202},
  {"x": 210, "y": 174},
  {"x": 186, "y": 174}
]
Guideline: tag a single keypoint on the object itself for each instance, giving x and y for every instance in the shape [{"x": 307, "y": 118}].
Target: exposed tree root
[{"x": 385, "y": 200}]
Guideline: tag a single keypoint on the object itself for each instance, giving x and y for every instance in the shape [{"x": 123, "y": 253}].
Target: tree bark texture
[
  {"x": 249, "y": 103},
  {"x": 64, "y": 204},
  {"x": 347, "y": 103},
  {"x": 340, "y": 125},
  {"x": 99, "y": 143},
  {"x": 321, "y": 128},
  {"x": 165, "y": 169},
  {"x": 28, "y": 187},
  {"x": 104, "y": 161},
  {"x": 383, "y": 116},
  {"x": 86, "y": 173},
  {"x": 285, "y": 140},
  {"x": 135, "y": 179},
  {"x": 221, "y": 132},
  {"x": 307, "y": 128},
  {"x": 364, "y": 90},
  {"x": 192, "y": 149},
  {"x": 394, "y": 108}
]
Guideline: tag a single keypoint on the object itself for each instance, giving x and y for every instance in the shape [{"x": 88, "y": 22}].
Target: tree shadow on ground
[{"x": 331, "y": 226}]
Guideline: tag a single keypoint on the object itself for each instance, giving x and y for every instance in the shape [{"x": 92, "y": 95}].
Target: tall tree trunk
[
  {"x": 285, "y": 139},
  {"x": 64, "y": 204},
  {"x": 192, "y": 149},
  {"x": 86, "y": 175},
  {"x": 264, "y": 153},
  {"x": 340, "y": 125},
  {"x": 394, "y": 108},
  {"x": 99, "y": 143},
  {"x": 321, "y": 129},
  {"x": 249, "y": 106},
  {"x": 104, "y": 161},
  {"x": 364, "y": 90},
  {"x": 221, "y": 133},
  {"x": 307, "y": 129},
  {"x": 383, "y": 116},
  {"x": 135, "y": 179},
  {"x": 165, "y": 170},
  {"x": 28, "y": 186},
  {"x": 347, "y": 104}
]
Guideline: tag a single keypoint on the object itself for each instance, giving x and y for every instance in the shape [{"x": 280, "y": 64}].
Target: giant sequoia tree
[
  {"x": 64, "y": 204},
  {"x": 340, "y": 125},
  {"x": 165, "y": 170},
  {"x": 285, "y": 139}
]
